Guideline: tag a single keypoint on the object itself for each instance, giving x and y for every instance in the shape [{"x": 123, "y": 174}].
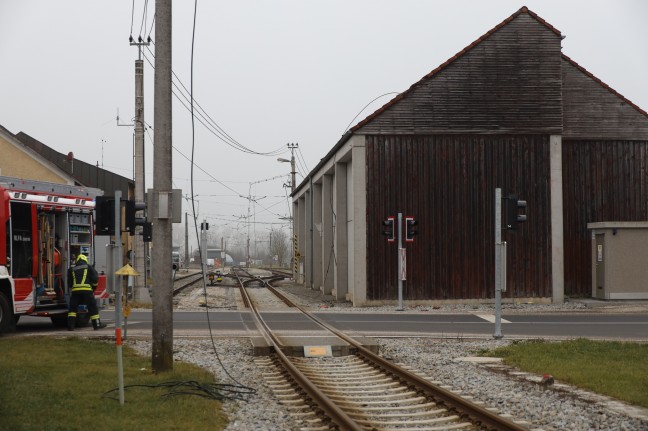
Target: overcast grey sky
[{"x": 268, "y": 73}]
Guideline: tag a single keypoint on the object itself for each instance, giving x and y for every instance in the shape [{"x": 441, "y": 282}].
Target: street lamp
[
  {"x": 292, "y": 190},
  {"x": 292, "y": 169}
]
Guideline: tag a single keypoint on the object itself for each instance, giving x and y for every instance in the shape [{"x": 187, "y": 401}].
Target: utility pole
[
  {"x": 140, "y": 291},
  {"x": 293, "y": 221},
  {"x": 162, "y": 351},
  {"x": 292, "y": 166}
]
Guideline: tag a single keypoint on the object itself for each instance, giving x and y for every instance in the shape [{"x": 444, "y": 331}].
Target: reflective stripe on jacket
[{"x": 80, "y": 285}]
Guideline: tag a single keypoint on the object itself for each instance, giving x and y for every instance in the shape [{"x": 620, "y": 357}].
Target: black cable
[
  {"x": 132, "y": 17},
  {"x": 151, "y": 30},
  {"x": 193, "y": 206},
  {"x": 332, "y": 253},
  {"x": 301, "y": 156},
  {"x": 143, "y": 26},
  {"x": 189, "y": 159},
  {"x": 382, "y": 95},
  {"x": 215, "y": 128},
  {"x": 214, "y": 391}
]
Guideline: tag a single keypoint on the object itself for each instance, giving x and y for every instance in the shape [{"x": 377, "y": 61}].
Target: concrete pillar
[
  {"x": 328, "y": 257},
  {"x": 301, "y": 238},
  {"x": 358, "y": 223},
  {"x": 317, "y": 236},
  {"x": 140, "y": 292},
  {"x": 307, "y": 254},
  {"x": 294, "y": 249},
  {"x": 557, "y": 233},
  {"x": 341, "y": 241}
]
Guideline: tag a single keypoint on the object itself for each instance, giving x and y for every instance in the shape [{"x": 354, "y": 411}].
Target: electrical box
[{"x": 619, "y": 256}]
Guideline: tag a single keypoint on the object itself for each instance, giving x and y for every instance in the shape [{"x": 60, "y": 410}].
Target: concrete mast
[{"x": 162, "y": 289}]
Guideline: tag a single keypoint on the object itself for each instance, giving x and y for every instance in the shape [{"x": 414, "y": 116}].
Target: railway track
[
  {"x": 182, "y": 283},
  {"x": 362, "y": 391}
]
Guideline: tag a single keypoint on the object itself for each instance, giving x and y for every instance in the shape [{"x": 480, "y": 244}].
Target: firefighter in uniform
[{"x": 83, "y": 279}]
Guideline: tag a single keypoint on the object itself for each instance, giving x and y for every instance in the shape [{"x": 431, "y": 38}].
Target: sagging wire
[
  {"x": 193, "y": 208},
  {"x": 212, "y": 126},
  {"x": 366, "y": 106},
  {"x": 332, "y": 255},
  {"x": 212, "y": 391}
]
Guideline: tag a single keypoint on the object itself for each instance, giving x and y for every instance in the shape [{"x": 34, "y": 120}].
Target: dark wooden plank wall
[
  {"x": 448, "y": 184},
  {"x": 509, "y": 82},
  {"x": 602, "y": 181},
  {"x": 592, "y": 111}
]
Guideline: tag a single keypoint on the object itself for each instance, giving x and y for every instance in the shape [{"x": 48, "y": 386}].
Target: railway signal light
[
  {"x": 388, "y": 229},
  {"x": 147, "y": 232},
  {"x": 513, "y": 214},
  {"x": 411, "y": 229},
  {"x": 104, "y": 215},
  {"x": 132, "y": 220}
]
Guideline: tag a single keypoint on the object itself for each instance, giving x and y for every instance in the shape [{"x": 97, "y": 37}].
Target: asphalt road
[{"x": 622, "y": 326}]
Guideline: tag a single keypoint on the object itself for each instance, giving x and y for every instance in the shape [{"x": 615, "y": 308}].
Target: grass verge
[
  {"x": 64, "y": 384},
  {"x": 616, "y": 369}
]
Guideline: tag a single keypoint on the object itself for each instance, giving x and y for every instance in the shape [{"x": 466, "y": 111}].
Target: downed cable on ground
[{"x": 213, "y": 391}]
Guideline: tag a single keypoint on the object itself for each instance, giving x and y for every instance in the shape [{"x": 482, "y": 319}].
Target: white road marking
[{"x": 489, "y": 317}]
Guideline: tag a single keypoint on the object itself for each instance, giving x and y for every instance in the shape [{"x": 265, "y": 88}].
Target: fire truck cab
[{"x": 43, "y": 228}]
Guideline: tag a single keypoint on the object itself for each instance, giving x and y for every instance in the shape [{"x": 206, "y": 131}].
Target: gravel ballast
[{"x": 551, "y": 408}]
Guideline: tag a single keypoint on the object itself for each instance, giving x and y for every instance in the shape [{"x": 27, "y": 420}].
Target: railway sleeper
[
  {"x": 351, "y": 388},
  {"x": 407, "y": 407},
  {"x": 434, "y": 428},
  {"x": 437, "y": 421},
  {"x": 346, "y": 381},
  {"x": 317, "y": 364},
  {"x": 354, "y": 377},
  {"x": 325, "y": 369},
  {"x": 388, "y": 418},
  {"x": 394, "y": 397}
]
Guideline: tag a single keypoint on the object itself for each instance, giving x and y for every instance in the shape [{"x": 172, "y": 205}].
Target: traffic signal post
[
  {"x": 411, "y": 230},
  {"x": 500, "y": 264},
  {"x": 513, "y": 217}
]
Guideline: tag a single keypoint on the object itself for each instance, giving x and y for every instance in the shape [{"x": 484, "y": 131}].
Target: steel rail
[
  {"x": 190, "y": 283},
  {"x": 464, "y": 408},
  {"x": 328, "y": 406}
]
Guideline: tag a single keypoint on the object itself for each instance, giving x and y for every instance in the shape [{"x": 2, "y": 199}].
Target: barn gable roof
[
  {"x": 538, "y": 37},
  {"x": 447, "y": 100}
]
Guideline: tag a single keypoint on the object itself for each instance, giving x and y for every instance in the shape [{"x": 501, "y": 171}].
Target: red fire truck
[{"x": 43, "y": 227}]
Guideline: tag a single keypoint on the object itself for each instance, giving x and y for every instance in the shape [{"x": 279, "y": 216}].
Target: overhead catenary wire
[
  {"x": 213, "y": 127},
  {"x": 144, "y": 14},
  {"x": 151, "y": 30},
  {"x": 301, "y": 156},
  {"x": 132, "y": 18},
  {"x": 222, "y": 183},
  {"x": 191, "y": 161}
]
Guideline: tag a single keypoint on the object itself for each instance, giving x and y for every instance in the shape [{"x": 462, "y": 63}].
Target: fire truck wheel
[{"x": 7, "y": 320}]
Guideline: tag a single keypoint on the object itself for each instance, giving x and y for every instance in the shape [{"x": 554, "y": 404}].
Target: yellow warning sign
[
  {"x": 317, "y": 351},
  {"x": 126, "y": 270}
]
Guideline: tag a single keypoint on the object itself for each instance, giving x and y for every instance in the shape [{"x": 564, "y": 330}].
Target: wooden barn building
[{"x": 510, "y": 111}]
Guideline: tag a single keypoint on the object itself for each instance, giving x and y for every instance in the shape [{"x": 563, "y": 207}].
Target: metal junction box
[{"x": 619, "y": 260}]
